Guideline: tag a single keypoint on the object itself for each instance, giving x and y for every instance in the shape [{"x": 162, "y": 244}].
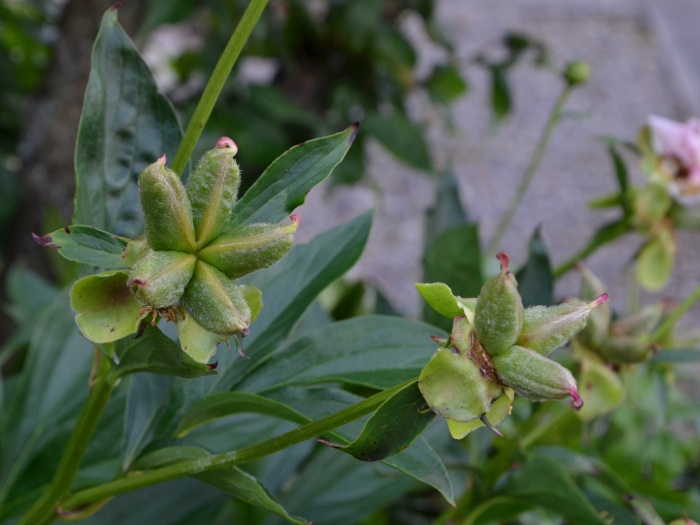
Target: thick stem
[
  {"x": 236, "y": 457},
  {"x": 101, "y": 385},
  {"x": 216, "y": 83},
  {"x": 535, "y": 160}
]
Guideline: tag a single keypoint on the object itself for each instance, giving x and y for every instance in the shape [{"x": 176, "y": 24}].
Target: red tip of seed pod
[
  {"x": 45, "y": 241},
  {"x": 576, "y": 400},
  {"x": 212, "y": 366},
  {"x": 162, "y": 160},
  {"x": 602, "y": 298},
  {"x": 294, "y": 218},
  {"x": 503, "y": 258},
  {"x": 225, "y": 142},
  {"x": 137, "y": 282}
]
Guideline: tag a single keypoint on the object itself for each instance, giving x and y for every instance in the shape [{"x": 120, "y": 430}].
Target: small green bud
[
  {"x": 536, "y": 377},
  {"x": 641, "y": 322},
  {"x": 499, "y": 312},
  {"x": 166, "y": 208},
  {"x": 215, "y": 302},
  {"x": 547, "y": 328},
  {"x": 625, "y": 350},
  {"x": 212, "y": 190},
  {"x": 453, "y": 387},
  {"x": 577, "y": 72},
  {"x": 249, "y": 248},
  {"x": 159, "y": 279}
]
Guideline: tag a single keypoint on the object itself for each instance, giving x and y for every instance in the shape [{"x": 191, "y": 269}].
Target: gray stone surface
[{"x": 640, "y": 67}]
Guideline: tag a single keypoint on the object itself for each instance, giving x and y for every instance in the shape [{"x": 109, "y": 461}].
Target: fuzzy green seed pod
[
  {"x": 641, "y": 322},
  {"x": 166, "y": 208},
  {"x": 249, "y": 248},
  {"x": 212, "y": 189},
  {"x": 159, "y": 279},
  {"x": 536, "y": 377},
  {"x": 546, "y": 328},
  {"x": 499, "y": 312},
  {"x": 625, "y": 350},
  {"x": 453, "y": 387},
  {"x": 215, "y": 302},
  {"x": 598, "y": 326}
]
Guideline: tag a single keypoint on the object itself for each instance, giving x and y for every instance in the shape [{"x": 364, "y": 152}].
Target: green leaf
[
  {"x": 401, "y": 137},
  {"x": 290, "y": 287},
  {"x": 454, "y": 258},
  {"x": 448, "y": 211},
  {"x": 87, "y": 245},
  {"x": 284, "y": 184},
  {"x": 392, "y": 428},
  {"x": 233, "y": 481},
  {"x": 224, "y": 404},
  {"x": 374, "y": 351},
  {"x": 154, "y": 352},
  {"x": 535, "y": 278},
  {"x": 656, "y": 260},
  {"x": 501, "y": 101},
  {"x": 645, "y": 511},
  {"x": 545, "y": 482},
  {"x": 622, "y": 176},
  {"x": 446, "y": 84},
  {"x": 441, "y": 299},
  {"x": 601, "y": 388},
  {"x": 126, "y": 124}
]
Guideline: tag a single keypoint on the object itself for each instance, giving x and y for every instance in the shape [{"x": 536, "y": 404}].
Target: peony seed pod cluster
[
  {"x": 185, "y": 266},
  {"x": 498, "y": 348}
]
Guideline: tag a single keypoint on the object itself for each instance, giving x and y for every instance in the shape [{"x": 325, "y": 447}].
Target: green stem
[
  {"x": 101, "y": 385},
  {"x": 216, "y": 83},
  {"x": 667, "y": 325},
  {"x": 228, "y": 459},
  {"x": 554, "y": 116},
  {"x": 594, "y": 243}
]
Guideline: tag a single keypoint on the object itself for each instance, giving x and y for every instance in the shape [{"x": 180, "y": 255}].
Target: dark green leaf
[
  {"x": 126, "y": 125},
  {"x": 393, "y": 427},
  {"x": 454, "y": 258},
  {"x": 448, "y": 211},
  {"x": 501, "y": 103},
  {"x": 535, "y": 278},
  {"x": 622, "y": 178},
  {"x": 234, "y": 481},
  {"x": 290, "y": 286},
  {"x": 401, "y": 137},
  {"x": 645, "y": 511},
  {"x": 545, "y": 482},
  {"x": 87, "y": 245},
  {"x": 374, "y": 351},
  {"x": 446, "y": 84},
  {"x": 285, "y": 183},
  {"x": 225, "y": 404},
  {"x": 154, "y": 352}
]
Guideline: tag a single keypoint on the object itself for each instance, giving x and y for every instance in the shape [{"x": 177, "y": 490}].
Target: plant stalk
[
  {"x": 216, "y": 83},
  {"x": 101, "y": 386},
  {"x": 667, "y": 325},
  {"x": 535, "y": 159},
  {"x": 311, "y": 430}
]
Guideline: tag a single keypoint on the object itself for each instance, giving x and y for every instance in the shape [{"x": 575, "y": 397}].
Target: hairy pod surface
[
  {"x": 166, "y": 208},
  {"x": 212, "y": 190},
  {"x": 499, "y": 312},
  {"x": 249, "y": 248},
  {"x": 453, "y": 387},
  {"x": 546, "y": 328},
  {"x": 159, "y": 279},
  {"x": 536, "y": 377},
  {"x": 215, "y": 302}
]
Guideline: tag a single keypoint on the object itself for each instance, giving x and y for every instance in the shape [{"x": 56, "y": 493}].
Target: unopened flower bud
[
  {"x": 499, "y": 312},
  {"x": 577, "y": 72},
  {"x": 212, "y": 190},
  {"x": 248, "y": 248},
  {"x": 639, "y": 323},
  {"x": 166, "y": 208},
  {"x": 547, "y": 328},
  {"x": 159, "y": 279},
  {"x": 536, "y": 377},
  {"x": 215, "y": 302},
  {"x": 453, "y": 387}
]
